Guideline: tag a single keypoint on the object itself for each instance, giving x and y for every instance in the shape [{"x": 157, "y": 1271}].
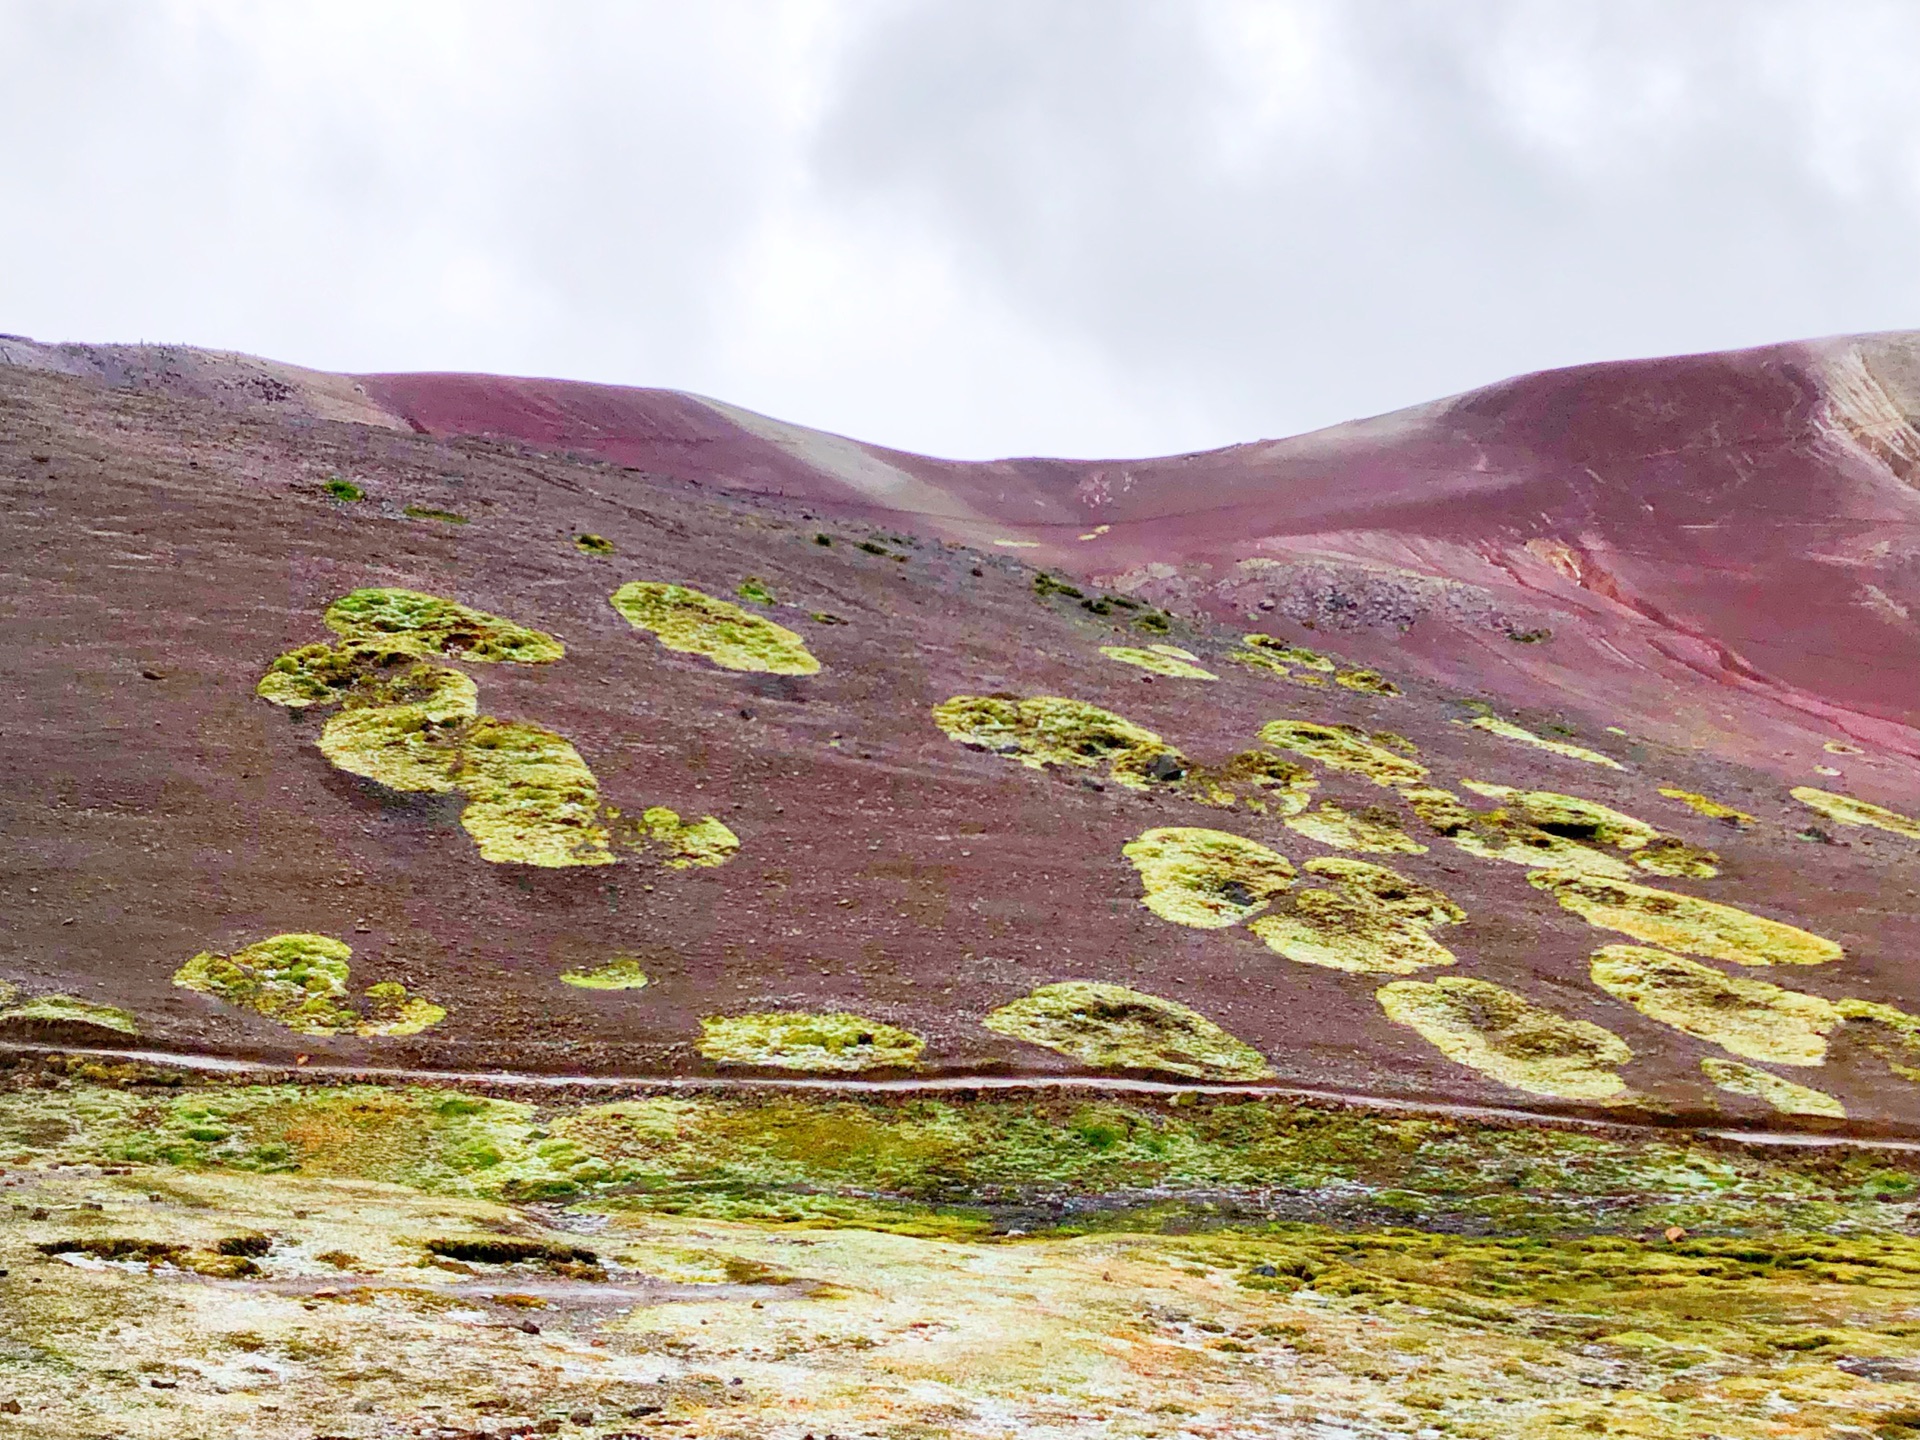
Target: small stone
[
  {"x": 527, "y": 1327},
  {"x": 581, "y": 1417}
]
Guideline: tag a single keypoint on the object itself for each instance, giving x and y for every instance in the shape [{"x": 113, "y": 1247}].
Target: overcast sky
[{"x": 968, "y": 227}]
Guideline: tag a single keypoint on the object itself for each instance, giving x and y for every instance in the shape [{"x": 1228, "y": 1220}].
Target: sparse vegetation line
[{"x": 263, "y": 1072}]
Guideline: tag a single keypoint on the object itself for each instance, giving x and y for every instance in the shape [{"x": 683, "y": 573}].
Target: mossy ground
[
  {"x": 684, "y": 619},
  {"x": 431, "y": 625},
  {"x": 1208, "y": 879},
  {"x": 1706, "y": 805},
  {"x": 623, "y": 972},
  {"x": 1374, "y": 830},
  {"x": 836, "y": 1043},
  {"x": 1048, "y": 730},
  {"x": 1109, "y": 1027},
  {"x": 859, "y": 1266},
  {"x": 1510, "y": 1038},
  {"x": 1366, "y": 919},
  {"x": 1685, "y": 922},
  {"x": 300, "y": 981},
  {"x": 1168, "y": 660},
  {"x": 1788, "y": 1097},
  {"x": 1345, "y": 747},
  {"x": 1845, "y": 810},
  {"x": 1744, "y": 1017},
  {"x": 1507, "y": 730}
]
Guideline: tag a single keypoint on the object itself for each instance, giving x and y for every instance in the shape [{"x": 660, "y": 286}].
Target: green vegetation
[
  {"x": 801, "y": 1040},
  {"x": 531, "y": 800},
  {"x": 63, "y": 1012},
  {"x": 623, "y": 972},
  {"x": 427, "y": 512},
  {"x": 1208, "y": 879},
  {"x": 1785, "y": 1096},
  {"x": 343, "y": 490},
  {"x": 1845, "y": 810},
  {"x": 1109, "y": 1027},
  {"x": 1346, "y": 747},
  {"x": 754, "y": 589},
  {"x": 1168, "y": 660},
  {"x": 1709, "y": 807},
  {"x": 429, "y": 625},
  {"x": 300, "y": 981},
  {"x": 1507, "y": 730},
  {"x": 688, "y": 621},
  {"x": 1374, "y": 830},
  {"x": 702, "y": 844},
  {"x": 1684, "y": 922},
  {"x": 1361, "y": 918},
  {"x": 1508, "y": 1038},
  {"x": 1744, "y": 1017},
  {"x": 1367, "y": 682},
  {"x": 587, "y": 543},
  {"x": 1050, "y": 730},
  {"x": 1570, "y": 817}
]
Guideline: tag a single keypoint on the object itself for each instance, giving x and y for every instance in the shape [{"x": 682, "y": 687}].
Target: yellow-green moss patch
[
  {"x": 1507, "y": 730},
  {"x": 1364, "y": 919},
  {"x": 590, "y": 544},
  {"x": 392, "y": 1011},
  {"x": 428, "y": 625},
  {"x": 1168, "y": 660},
  {"x": 1440, "y": 810},
  {"x": 531, "y": 800},
  {"x": 684, "y": 619},
  {"x": 623, "y": 972},
  {"x": 1706, "y": 805},
  {"x": 1782, "y": 1094},
  {"x": 1109, "y": 1027},
  {"x": 800, "y": 1040},
  {"x": 1286, "y": 653},
  {"x": 1208, "y": 879},
  {"x": 1508, "y": 1038},
  {"x": 1374, "y": 830},
  {"x": 1572, "y": 817},
  {"x": 299, "y": 980},
  {"x": 1345, "y": 747},
  {"x": 1367, "y": 682},
  {"x": 65, "y": 1010},
  {"x": 1845, "y": 810},
  {"x": 1743, "y": 1017},
  {"x": 1257, "y": 779},
  {"x": 1684, "y": 922},
  {"x": 1890, "y": 1033},
  {"x": 1051, "y": 730},
  {"x": 399, "y": 746},
  {"x": 700, "y": 844},
  {"x": 1269, "y": 664}
]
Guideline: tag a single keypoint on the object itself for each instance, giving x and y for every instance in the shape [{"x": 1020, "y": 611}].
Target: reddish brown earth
[{"x": 1719, "y": 545}]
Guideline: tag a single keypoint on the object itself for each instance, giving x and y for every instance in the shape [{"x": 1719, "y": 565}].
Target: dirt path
[{"x": 265, "y": 1073}]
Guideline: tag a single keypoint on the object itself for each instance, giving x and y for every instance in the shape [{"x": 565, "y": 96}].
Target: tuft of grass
[
  {"x": 755, "y": 590},
  {"x": 343, "y": 490},
  {"x": 427, "y": 512},
  {"x": 588, "y": 543}
]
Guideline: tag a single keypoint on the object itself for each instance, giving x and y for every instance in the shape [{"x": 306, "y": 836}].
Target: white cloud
[{"x": 971, "y": 226}]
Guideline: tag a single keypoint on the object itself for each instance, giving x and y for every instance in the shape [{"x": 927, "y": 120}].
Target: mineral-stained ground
[{"x": 597, "y": 931}]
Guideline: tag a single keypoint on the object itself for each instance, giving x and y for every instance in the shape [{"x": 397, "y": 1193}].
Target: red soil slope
[{"x": 1722, "y": 546}]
